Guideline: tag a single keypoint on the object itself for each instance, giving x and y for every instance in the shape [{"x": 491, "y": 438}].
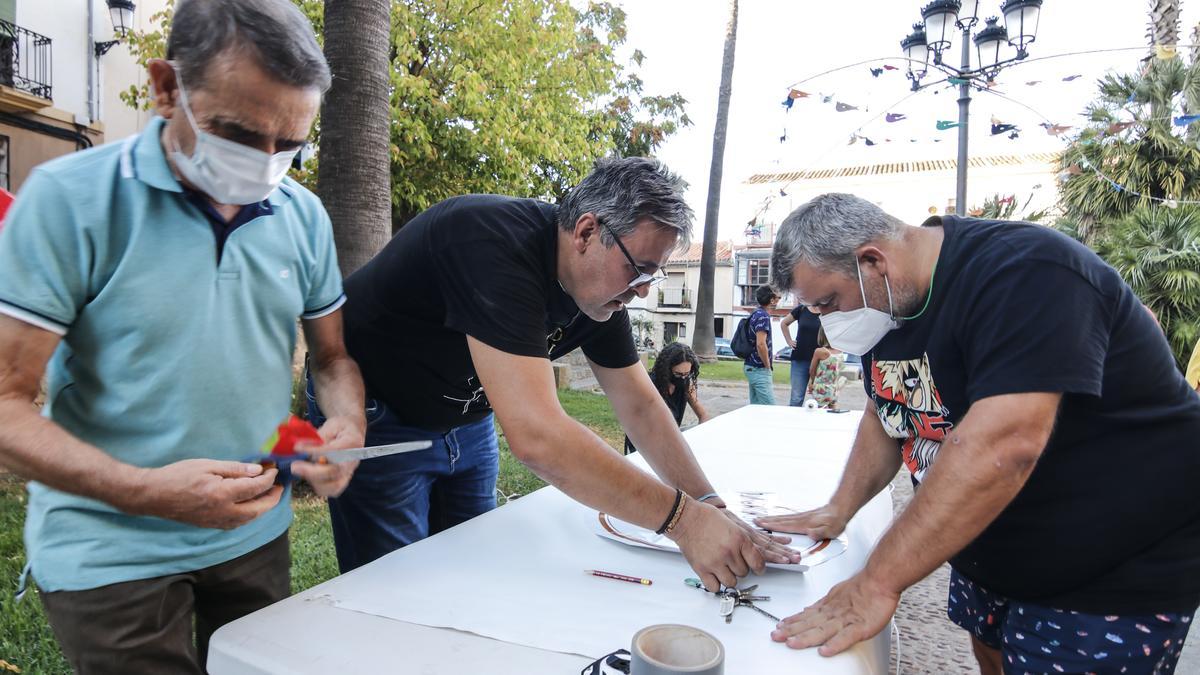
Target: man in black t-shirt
[
  {"x": 1039, "y": 408},
  {"x": 808, "y": 327},
  {"x": 462, "y": 313}
]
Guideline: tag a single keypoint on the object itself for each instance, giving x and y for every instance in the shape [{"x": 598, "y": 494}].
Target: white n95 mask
[
  {"x": 857, "y": 331},
  {"x": 229, "y": 172}
]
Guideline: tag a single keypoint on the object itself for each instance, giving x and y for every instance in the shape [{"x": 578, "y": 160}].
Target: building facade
[{"x": 61, "y": 74}]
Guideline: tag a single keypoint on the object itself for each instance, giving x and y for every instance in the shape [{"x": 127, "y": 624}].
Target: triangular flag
[
  {"x": 826, "y": 99},
  {"x": 1074, "y": 170},
  {"x": 876, "y": 72},
  {"x": 998, "y": 128},
  {"x": 1071, "y": 77},
  {"x": 956, "y": 80},
  {"x": 853, "y": 139},
  {"x": 1056, "y": 129},
  {"x": 868, "y": 141},
  {"x": 943, "y": 125},
  {"x": 782, "y": 193},
  {"x": 1117, "y": 127},
  {"x": 1013, "y": 136},
  {"x": 893, "y": 117},
  {"x": 890, "y": 68},
  {"x": 1184, "y": 120},
  {"x": 1032, "y": 82},
  {"x": 787, "y": 102},
  {"x": 843, "y": 107},
  {"x": 796, "y": 93},
  {"x": 783, "y": 137}
]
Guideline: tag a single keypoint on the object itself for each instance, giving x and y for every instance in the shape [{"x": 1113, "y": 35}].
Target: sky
[{"x": 782, "y": 42}]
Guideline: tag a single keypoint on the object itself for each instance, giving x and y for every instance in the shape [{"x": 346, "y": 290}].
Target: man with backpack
[{"x": 752, "y": 342}]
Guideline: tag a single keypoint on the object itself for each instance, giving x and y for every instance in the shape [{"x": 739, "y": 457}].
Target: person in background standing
[
  {"x": 675, "y": 374},
  {"x": 758, "y": 367},
  {"x": 808, "y": 325}
]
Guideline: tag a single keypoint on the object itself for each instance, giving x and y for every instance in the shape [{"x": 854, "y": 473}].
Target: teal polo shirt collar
[{"x": 142, "y": 158}]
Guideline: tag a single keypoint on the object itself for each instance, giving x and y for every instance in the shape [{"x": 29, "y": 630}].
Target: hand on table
[
  {"x": 771, "y": 546},
  {"x": 853, "y": 611},
  {"x": 329, "y": 480},
  {"x": 205, "y": 493},
  {"x": 825, "y": 522},
  {"x": 717, "y": 549}
]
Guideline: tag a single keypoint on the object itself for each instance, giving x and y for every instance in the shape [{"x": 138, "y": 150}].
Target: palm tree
[
  {"x": 1157, "y": 251},
  {"x": 354, "y": 174},
  {"x": 702, "y": 338}
]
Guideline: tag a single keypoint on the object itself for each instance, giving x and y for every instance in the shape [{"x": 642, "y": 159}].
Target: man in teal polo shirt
[{"x": 160, "y": 279}]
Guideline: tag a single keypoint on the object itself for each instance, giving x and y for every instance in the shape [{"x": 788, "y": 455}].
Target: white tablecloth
[{"x": 506, "y": 593}]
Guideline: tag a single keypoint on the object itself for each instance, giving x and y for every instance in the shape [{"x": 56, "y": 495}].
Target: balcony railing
[
  {"x": 25, "y": 60},
  {"x": 674, "y": 297}
]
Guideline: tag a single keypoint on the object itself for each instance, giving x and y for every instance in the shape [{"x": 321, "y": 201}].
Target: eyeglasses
[{"x": 640, "y": 278}]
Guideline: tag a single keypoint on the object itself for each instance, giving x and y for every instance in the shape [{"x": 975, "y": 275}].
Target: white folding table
[{"x": 505, "y": 592}]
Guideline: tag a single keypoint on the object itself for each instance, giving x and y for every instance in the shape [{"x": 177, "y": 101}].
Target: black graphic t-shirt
[
  {"x": 1109, "y": 520},
  {"x": 478, "y": 265}
]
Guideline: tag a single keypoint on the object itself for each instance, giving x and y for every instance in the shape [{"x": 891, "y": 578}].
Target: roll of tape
[{"x": 670, "y": 648}]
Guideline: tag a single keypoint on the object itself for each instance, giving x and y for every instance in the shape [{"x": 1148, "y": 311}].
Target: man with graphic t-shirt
[
  {"x": 1038, "y": 407},
  {"x": 462, "y": 313}
]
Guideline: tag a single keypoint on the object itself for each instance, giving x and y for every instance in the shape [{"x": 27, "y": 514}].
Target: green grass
[
  {"x": 732, "y": 370},
  {"x": 27, "y": 643}
]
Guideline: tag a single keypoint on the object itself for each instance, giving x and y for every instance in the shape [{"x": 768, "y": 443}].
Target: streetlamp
[
  {"x": 121, "y": 13},
  {"x": 935, "y": 34}
]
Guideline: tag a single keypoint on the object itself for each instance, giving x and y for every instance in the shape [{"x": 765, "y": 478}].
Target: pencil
[{"x": 619, "y": 577}]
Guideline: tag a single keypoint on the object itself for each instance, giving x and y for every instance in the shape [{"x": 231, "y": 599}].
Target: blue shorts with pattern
[{"x": 1039, "y": 639}]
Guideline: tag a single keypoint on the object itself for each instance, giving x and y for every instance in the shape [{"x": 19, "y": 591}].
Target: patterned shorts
[{"x": 1038, "y": 639}]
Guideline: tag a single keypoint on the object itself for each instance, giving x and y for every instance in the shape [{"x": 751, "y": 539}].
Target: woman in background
[{"x": 674, "y": 375}]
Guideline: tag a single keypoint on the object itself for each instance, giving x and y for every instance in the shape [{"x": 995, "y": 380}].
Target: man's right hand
[
  {"x": 717, "y": 549},
  {"x": 205, "y": 493},
  {"x": 826, "y": 522}
]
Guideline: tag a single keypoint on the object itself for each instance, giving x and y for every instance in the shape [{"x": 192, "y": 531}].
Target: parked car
[
  {"x": 723, "y": 348},
  {"x": 784, "y": 354}
]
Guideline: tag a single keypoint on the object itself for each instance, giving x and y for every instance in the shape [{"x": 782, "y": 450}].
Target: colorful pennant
[
  {"x": 943, "y": 125},
  {"x": 844, "y": 107},
  {"x": 893, "y": 117}
]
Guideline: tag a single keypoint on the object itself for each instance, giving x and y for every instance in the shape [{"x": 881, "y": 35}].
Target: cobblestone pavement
[{"x": 929, "y": 643}]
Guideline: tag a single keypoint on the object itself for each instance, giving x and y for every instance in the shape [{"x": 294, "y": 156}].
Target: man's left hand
[
  {"x": 770, "y": 545},
  {"x": 853, "y": 611},
  {"x": 329, "y": 480}
]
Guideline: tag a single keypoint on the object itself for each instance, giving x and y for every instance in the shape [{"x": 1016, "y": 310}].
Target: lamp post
[
  {"x": 940, "y": 19},
  {"x": 121, "y": 14}
]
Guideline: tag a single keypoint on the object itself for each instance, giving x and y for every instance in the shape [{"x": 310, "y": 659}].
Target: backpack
[{"x": 741, "y": 344}]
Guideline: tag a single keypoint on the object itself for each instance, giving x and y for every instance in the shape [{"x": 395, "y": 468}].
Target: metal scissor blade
[{"x": 350, "y": 455}]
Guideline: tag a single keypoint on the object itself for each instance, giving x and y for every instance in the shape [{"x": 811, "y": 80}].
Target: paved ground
[{"x": 929, "y": 643}]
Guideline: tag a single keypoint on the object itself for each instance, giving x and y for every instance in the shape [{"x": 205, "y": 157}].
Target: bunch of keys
[{"x": 732, "y": 598}]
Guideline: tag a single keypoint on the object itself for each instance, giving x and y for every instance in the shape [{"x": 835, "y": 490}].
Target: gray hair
[
  {"x": 826, "y": 232},
  {"x": 275, "y": 32},
  {"x": 622, "y": 192}
]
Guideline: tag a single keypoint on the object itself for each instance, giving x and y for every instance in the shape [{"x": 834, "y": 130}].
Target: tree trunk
[
  {"x": 702, "y": 335},
  {"x": 354, "y": 169}
]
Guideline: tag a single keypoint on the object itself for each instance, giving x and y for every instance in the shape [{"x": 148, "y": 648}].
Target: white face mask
[
  {"x": 858, "y": 331},
  {"x": 229, "y": 172}
]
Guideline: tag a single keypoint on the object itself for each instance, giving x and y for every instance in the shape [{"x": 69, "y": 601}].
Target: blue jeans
[
  {"x": 762, "y": 390},
  {"x": 799, "y": 383},
  {"x": 396, "y": 500}
]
